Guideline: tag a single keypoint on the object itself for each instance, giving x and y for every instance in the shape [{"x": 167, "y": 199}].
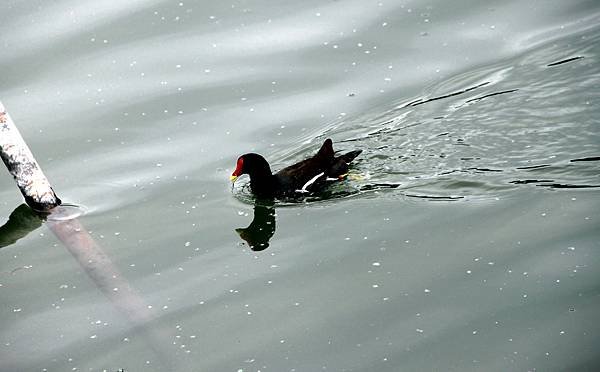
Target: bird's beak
[{"x": 232, "y": 178}]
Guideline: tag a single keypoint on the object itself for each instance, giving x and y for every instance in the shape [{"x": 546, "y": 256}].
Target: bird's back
[{"x": 314, "y": 172}]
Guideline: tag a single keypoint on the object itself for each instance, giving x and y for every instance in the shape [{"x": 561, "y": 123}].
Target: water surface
[{"x": 466, "y": 238}]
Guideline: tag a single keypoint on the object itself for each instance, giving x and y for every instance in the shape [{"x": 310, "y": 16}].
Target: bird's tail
[{"x": 349, "y": 156}]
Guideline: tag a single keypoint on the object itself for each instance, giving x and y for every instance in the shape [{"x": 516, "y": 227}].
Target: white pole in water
[
  {"x": 40, "y": 196},
  {"x": 21, "y": 164}
]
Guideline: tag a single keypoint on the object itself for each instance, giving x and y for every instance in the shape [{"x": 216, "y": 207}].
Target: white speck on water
[
  {"x": 419, "y": 330},
  {"x": 93, "y": 336},
  {"x": 376, "y": 264},
  {"x": 17, "y": 310}
]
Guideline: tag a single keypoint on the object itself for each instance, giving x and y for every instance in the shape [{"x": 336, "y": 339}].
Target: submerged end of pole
[
  {"x": 21, "y": 164},
  {"x": 45, "y": 203}
]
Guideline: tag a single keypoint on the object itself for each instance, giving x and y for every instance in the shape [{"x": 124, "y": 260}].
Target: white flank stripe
[{"x": 310, "y": 182}]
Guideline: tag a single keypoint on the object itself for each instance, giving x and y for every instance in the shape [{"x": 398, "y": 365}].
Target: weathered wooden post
[{"x": 21, "y": 164}]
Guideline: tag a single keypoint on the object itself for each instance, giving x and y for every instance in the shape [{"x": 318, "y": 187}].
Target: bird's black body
[{"x": 309, "y": 175}]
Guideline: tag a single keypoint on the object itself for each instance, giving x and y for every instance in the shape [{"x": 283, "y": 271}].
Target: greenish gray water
[{"x": 467, "y": 242}]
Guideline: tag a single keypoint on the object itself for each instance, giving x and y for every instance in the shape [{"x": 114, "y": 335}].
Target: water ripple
[{"x": 485, "y": 131}]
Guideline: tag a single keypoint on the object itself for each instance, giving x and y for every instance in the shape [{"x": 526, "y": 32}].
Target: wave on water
[{"x": 524, "y": 122}]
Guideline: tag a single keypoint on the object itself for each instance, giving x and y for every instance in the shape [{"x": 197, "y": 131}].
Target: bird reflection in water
[{"x": 262, "y": 227}]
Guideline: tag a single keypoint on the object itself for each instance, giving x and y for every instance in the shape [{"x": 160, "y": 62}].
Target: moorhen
[{"x": 309, "y": 175}]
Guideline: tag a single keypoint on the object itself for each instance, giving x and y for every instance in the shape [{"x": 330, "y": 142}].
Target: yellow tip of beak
[{"x": 233, "y": 178}]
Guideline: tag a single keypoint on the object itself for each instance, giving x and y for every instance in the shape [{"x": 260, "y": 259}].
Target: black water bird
[{"x": 307, "y": 176}]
